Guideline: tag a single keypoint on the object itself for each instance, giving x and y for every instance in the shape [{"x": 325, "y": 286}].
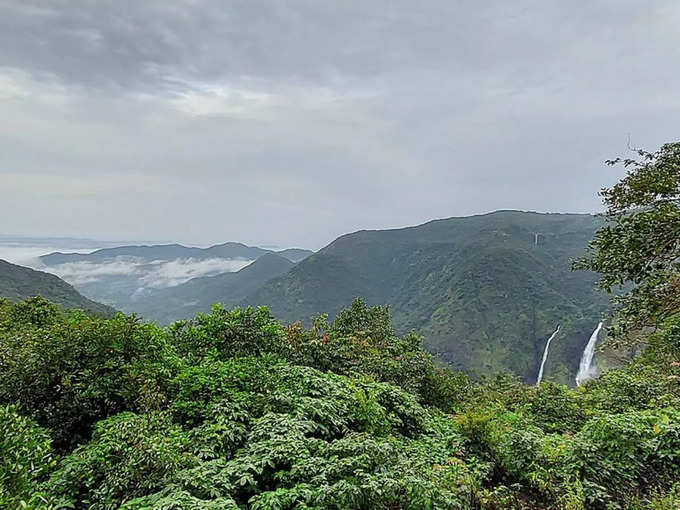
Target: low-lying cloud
[
  {"x": 155, "y": 274},
  {"x": 29, "y": 255},
  {"x": 175, "y": 272}
]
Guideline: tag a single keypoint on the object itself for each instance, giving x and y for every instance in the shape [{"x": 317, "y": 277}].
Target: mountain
[
  {"x": 18, "y": 283},
  {"x": 199, "y": 294},
  {"x": 172, "y": 252},
  {"x": 486, "y": 291},
  {"x": 295, "y": 254},
  {"x": 127, "y": 276}
]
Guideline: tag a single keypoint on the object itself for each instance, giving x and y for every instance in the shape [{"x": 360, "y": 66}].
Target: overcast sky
[{"x": 292, "y": 122}]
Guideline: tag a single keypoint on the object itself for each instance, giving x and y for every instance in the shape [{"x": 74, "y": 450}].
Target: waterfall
[
  {"x": 545, "y": 355},
  {"x": 585, "y": 369}
]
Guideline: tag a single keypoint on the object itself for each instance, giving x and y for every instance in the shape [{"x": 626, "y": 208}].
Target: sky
[{"x": 288, "y": 123}]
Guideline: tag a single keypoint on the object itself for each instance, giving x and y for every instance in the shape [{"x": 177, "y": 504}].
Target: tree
[{"x": 638, "y": 250}]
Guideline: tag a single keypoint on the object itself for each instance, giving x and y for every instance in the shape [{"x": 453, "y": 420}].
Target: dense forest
[{"x": 236, "y": 410}]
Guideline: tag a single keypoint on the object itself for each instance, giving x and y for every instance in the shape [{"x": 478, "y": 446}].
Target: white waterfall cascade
[
  {"x": 586, "y": 370},
  {"x": 545, "y": 355}
]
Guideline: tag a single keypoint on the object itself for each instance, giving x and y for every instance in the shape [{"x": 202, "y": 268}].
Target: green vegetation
[
  {"x": 234, "y": 410},
  {"x": 18, "y": 283},
  {"x": 641, "y": 243}
]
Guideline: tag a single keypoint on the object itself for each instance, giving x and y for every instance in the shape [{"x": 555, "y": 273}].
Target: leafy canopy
[{"x": 640, "y": 245}]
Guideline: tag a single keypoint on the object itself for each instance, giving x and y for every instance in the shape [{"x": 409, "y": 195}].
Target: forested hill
[
  {"x": 486, "y": 291},
  {"x": 18, "y": 283}
]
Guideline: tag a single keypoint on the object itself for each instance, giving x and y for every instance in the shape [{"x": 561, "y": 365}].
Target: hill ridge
[{"x": 19, "y": 282}]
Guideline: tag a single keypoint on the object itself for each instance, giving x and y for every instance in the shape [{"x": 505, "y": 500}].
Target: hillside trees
[
  {"x": 235, "y": 410},
  {"x": 640, "y": 245},
  {"x": 69, "y": 370}
]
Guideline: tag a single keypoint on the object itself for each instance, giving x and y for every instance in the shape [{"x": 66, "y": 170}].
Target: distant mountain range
[
  {"x": 172, "y": 252},
  {"x": 128, "y": 277},
  {"x": 18, "y": 283}
]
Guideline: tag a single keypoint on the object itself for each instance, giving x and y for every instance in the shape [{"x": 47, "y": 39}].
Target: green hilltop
[{"x": 200, "y": 294}]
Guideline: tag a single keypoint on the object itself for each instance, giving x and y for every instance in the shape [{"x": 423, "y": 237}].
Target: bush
[
  {"x": 129, "y": 455},
  {"x": 25, "y": 458},
  {"x": 233, "y": 410},
  {"x": 76, "y": 371},
  {"x": 36, "y": 311},
  {"x": 555, "y": 408},
  {"x": 624, "y": 453}
]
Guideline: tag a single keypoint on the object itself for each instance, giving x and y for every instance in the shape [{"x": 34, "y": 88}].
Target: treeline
[{"x": 234, "y": 410}]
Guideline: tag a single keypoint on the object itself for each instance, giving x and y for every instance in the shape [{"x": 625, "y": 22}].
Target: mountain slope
[
  {"x": 486, "y": 291},
  {"x": 18, "y": 283},
  {"x": 199, "y": 294}
]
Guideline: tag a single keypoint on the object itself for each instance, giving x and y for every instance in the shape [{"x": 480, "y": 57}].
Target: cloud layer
[
  {"x": 292, "y": 122},
  {"x": 147, "y": 275}
]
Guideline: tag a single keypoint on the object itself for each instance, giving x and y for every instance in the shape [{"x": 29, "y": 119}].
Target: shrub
[
  {"x": 75, "y": 372},
  {"x": 25, "y": 458},
  {"x": 624, "y": 453},
  {"x": 129, "y": 455},
  {"x": 555, "y": 408}
]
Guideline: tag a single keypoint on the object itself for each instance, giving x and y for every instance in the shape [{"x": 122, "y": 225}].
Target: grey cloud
[
  {"x": 291, "y": 122},
  {"x": 159, "y": 274},
  {"x": 168, "y": 273}
]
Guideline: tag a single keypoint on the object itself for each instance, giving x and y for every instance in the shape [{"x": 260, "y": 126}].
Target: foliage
[
  {"x": 129, "y": 455},
  {"x": 77, "y": 370},
  {"x": 234, "y": 410},
  {"x": 36, "y": 311},
  {"x": 640, "y": 245},
  {"x": 370, "y": 350},
  {"x": 25, "y": 458}
]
